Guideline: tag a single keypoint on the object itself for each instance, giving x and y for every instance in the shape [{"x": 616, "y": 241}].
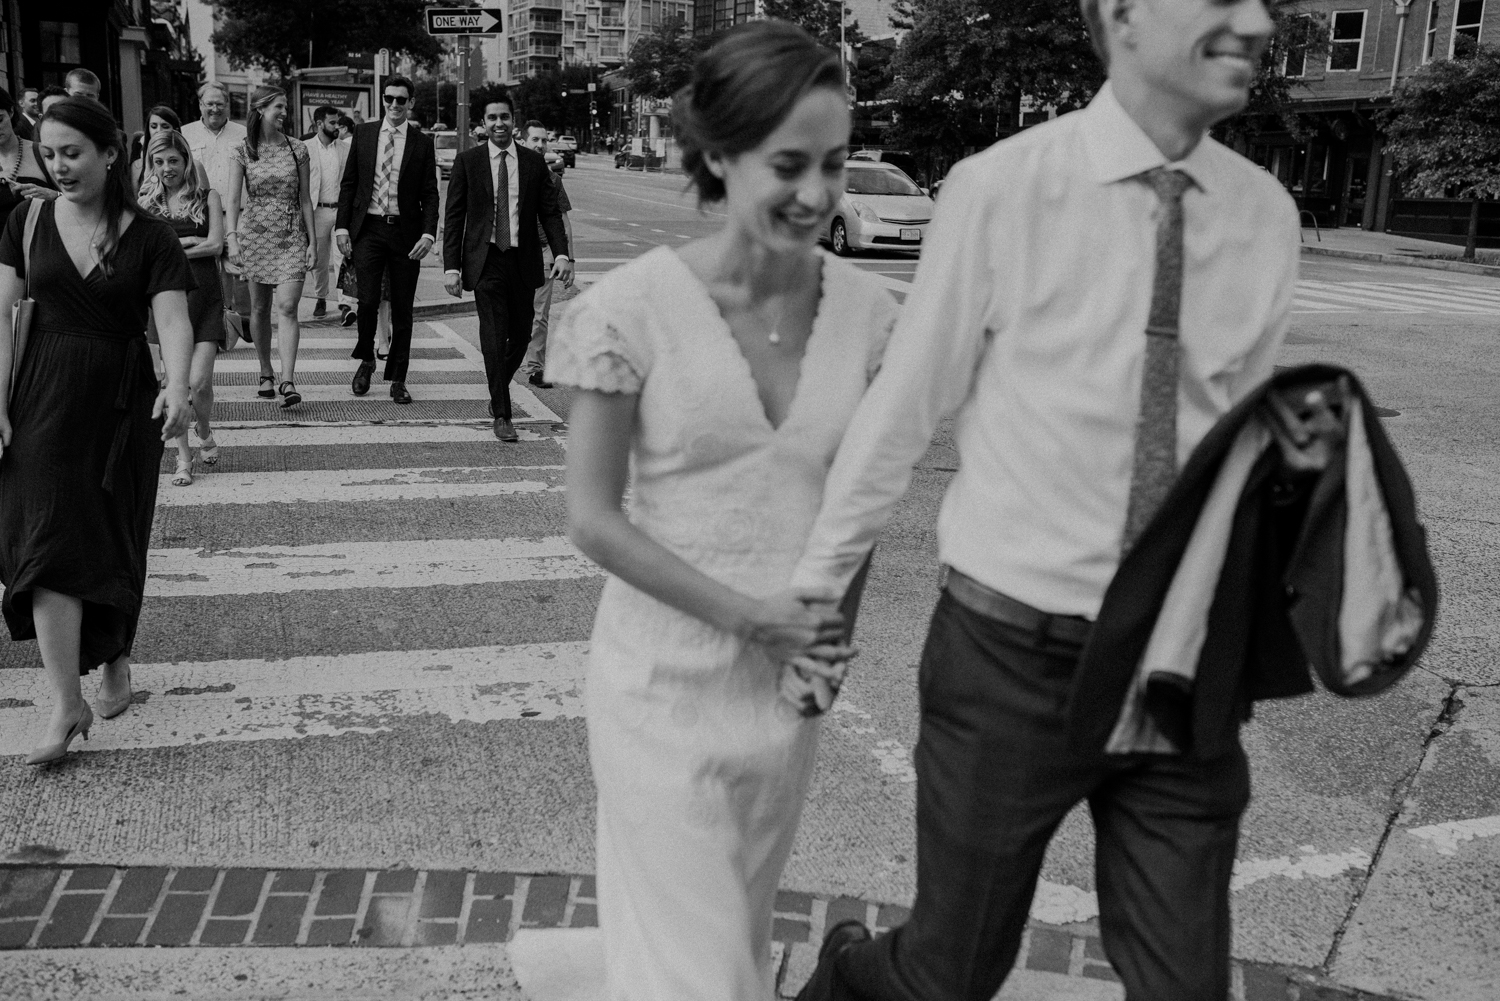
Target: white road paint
[
  {"x": 1373, "y": 296},
  {"x": 368, "y": 434},
  {"x": 379, "y": 393},
  {"x": 348, "y": 485},
  {"x": 251, "y": 365},
  {"x": 300, "y": 697},
  {"x": 341, "y": 566},
  {"x": 520, "y": 394},
  {"x": 1445, "y": 838}
]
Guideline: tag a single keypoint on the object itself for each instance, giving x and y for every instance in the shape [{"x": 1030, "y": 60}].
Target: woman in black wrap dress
[{"x": 82, "y": 424}]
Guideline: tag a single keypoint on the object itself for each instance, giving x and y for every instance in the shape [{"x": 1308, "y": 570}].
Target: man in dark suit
[
  {"x": 497, "y": 195},
  {"x": 387, "y": 222}
]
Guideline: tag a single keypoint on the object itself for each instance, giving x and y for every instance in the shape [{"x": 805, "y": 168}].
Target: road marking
[
  {"x": 1470, "y": 294},
  {"x": 316, "y": 393},
  {"x": 1441, "y": 300},
  {"x": 1355, "y": 300},
  {"x": 301, "y": 697},
  {"x": 359, "y": 485},
  {"x": 520, "y": 394},
  {"x": 1445, "y": 838},
  {"x": 229, "y": 366},
  {"x": 635, "y": 224},
  {"x": 342, "y": 566},
  {"x": 629, "y": 244},
  {"x": 661, "y": 231},
  {"x": 1358, "y": 293},
  {"x": 274, "y": 435}
]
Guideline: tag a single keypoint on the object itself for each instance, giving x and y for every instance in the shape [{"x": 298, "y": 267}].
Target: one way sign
[{"x": 464, "y": 20}]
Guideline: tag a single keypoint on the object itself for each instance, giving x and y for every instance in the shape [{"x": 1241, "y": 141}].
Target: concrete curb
[
  {"x": 63, "y": 910},
  {"x": 1432, "y": 264}
]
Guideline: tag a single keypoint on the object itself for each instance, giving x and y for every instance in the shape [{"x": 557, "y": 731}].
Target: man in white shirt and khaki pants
[
  {"x": 325, "y": 171},
  {"x": 1094, "y": 295}
]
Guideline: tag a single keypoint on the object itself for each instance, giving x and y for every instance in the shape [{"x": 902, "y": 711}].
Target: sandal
[
  {"x": 289, "y": 395},
  {"x": 208, "y": 450},
  {"x": 267, "y": 392},
  {"x": 183, "y": 477}
]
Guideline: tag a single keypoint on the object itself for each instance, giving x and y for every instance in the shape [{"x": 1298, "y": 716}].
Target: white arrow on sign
[{"x": 464, "y": 20}]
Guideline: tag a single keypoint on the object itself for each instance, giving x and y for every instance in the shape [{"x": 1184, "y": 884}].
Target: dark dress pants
[
  {"x": 995, "y": 777},
  {"x": 379, "y": 250},
  {"x": 505, "y": 303}
]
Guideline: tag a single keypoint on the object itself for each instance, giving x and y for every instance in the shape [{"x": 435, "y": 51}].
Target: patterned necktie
[
  {"x": 1155, "y": 468},
  {"x": 383, "y": 174},
  {"x": 501, "y": 226}
]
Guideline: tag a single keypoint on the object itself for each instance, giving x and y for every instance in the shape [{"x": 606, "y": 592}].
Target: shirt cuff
[
  {"x": 562, "y": 257},
  {"x": 429, "y": 236},
  {"x": 341, "y": 232},
  {"x": 451, "y": 271}
]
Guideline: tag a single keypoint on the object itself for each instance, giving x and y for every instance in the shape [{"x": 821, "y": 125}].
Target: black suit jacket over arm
[
  {"x": 1274, "y": 619},
  {"x": 416, "y": 187},
  {"x": 470, "y": 211}
]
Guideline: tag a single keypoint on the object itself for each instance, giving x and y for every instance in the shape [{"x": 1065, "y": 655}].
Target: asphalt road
[{"x": 362, "y": 642}]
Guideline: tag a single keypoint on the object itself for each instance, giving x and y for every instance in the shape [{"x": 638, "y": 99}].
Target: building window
[
  {"x": 1468, "y": 15},
  {"x": 1347, "y": 41},
  {"x": 61, "y": 50},
  {"x": 1429, "y": 44},
  {"x": 1294, "y": 61}
]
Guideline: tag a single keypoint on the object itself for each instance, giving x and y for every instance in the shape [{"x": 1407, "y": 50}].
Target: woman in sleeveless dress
[
  {"x": 270, "y": 239},
  {"x": 718, "y": 379},
  {"x": 81, "y": 426},
  {"x": 172, "y": 191}
]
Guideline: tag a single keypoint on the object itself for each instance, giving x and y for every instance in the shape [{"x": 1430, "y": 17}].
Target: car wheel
[{"x": 838, "y": 236}]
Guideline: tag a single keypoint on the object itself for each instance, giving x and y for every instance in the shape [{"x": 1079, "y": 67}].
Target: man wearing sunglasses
[{"x": 387, "y": 222}]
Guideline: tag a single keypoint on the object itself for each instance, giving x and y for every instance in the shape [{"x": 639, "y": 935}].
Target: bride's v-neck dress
[{"x": 701, "y": 767}]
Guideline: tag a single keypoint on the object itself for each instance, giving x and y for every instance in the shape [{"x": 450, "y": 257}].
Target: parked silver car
[
  {"x": 882, "y": 209},
  {"x": 446, "y": 149}
]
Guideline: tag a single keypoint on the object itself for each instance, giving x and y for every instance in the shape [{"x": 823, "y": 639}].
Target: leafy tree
[
  {"x": 661, "y": 63},
  {"x": 283, "y": 35},
  {"x": 962, "y": 70},
  {"x": 1443, "y": 128},
  {"x": 1300, "y": 39},
  {"x": 819, "y": 17},
  {"x": 542, "y": 97}
]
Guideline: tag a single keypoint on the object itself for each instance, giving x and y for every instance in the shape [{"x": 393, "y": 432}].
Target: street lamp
[{"x": 1403, "y": 9}]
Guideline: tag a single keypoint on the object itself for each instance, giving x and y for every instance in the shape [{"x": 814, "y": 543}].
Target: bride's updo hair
[{"x": 742, "y": 89}]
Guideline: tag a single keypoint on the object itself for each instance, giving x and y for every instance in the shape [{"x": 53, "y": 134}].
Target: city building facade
[
  {"x": 547, "y": 34},
  {"x": 1338, "y": 169}
]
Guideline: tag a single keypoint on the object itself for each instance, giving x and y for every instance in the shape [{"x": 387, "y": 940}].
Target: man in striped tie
[
  {"x": 1096, "y": 293},
  {"x": 387, "y": 223}
]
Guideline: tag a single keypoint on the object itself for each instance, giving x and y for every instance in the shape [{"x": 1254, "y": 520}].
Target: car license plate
[{"x": 912, "y": 234}]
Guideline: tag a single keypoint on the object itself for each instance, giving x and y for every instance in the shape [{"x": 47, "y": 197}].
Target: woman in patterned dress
[
  {"x": 718, "y": 379},
  {"x": 269, "y": 241}
]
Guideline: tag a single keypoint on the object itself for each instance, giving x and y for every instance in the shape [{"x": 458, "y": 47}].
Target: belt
[
  {"x": 328, "y": 205},
  {"x": 991, "y": 604},
  {"x": 390, "y": 220}
]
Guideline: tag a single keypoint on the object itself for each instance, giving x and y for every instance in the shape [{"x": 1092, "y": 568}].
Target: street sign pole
[{"x": 463, "y": 93}]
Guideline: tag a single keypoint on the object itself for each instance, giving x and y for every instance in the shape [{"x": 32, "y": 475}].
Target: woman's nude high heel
[
  {"x": 110, "y": 708},
  {"x": 53, "y": 752}
]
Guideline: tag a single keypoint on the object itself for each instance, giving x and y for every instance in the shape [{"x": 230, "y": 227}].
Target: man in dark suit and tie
[
  {"x": 497, "y": 194},
  {"x": 387, "y": 222}
]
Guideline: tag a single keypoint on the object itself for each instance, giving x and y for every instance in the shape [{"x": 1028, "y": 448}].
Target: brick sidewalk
[{"x": 54, "y": 907}]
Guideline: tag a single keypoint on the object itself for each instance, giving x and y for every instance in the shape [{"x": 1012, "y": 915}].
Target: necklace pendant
[{"x": 774, "y": 337}]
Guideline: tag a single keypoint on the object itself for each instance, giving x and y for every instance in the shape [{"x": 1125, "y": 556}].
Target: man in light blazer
[
  {"x": 497, "y": 195},
  {"x": 325, "y": 174},
  {"x": 387, "y": 221}
]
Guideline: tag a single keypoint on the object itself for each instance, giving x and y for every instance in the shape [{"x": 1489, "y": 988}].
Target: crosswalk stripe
[
  {"x": 293, "y": 435},
  {"x": 520, "y": 394},
  {"x": 379, "y": 393},
  {"x": 1355, "y": 299},
  {"x": 1442, "y": 296},
  {"x": 341, "y": 566},
  {"x": 301, "y": 697},
  {"x": 1392, "y": 301},
  {"x": 1482, "y": 292},
  {"x": 227, "y": 366},
  {"x": 359, "y": 485}
]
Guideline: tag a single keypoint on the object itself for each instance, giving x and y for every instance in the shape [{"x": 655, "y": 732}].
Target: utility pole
[{"x": 462, "y": 111}]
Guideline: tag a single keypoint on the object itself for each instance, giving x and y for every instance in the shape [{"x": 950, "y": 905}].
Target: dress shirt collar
[
  {"x": 1119, "y": 149},
  {"x": 386, "y": 126},
  {"x": 498, "y": 151}
]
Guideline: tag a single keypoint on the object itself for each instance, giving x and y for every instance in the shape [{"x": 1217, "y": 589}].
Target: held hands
[
  {"x": 811, "y": 681},
  {"x": 454, "y": 285},
  {"x": 789, "y": 623},
  {"x": 420, "y": 250},
  {"x": 172, "y": 404}
]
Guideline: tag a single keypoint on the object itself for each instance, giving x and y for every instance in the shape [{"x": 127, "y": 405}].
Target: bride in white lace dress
[{"x": 719, "y": 379}]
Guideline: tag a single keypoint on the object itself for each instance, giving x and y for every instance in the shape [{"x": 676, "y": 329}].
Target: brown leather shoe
[{"x": 505, "y": 430}]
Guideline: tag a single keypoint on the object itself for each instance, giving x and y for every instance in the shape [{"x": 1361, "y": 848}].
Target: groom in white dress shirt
[{"x": 1094, "y": 295}]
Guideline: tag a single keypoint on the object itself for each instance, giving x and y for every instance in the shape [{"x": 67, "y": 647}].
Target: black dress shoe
[
  {"x": 399, "y": 393},
  {"x": 505, "y": 430},
  {"x": 350, "y": 317},
  {"x": 320, "y": 309},
  {"x": 361, "y": 383},
  {"x": 536, "y": 380},
  {"x": 823, "y": 985}
]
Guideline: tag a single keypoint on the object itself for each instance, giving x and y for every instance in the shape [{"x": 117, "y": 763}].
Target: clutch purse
[{"x": 24, "y": 310}]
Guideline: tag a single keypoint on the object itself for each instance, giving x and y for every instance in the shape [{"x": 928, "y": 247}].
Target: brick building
[{"x": 1340, "y": 172}]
